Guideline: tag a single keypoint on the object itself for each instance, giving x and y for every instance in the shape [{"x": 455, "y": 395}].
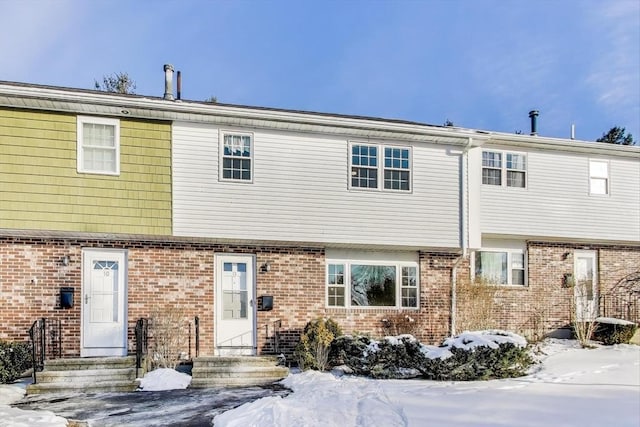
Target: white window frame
[
  {"x": 80, "y": 121},
  {"x": 504, "y": 170},
  {"x": 594, "y": 176},
  {"x": 380, "y": 167},
  {"x": 347, "y": 283},
  {"x": 222, "y": 156},
  {"x": 510, "y": 252}
]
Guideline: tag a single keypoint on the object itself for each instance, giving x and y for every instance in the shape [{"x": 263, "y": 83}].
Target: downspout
[{"x": 464, "y": 238}]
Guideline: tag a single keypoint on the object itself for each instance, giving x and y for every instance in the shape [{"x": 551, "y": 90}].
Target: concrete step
[
  {"x": 240, "y": 371},
  {"x": 87, "y": 375},
  {"x": 235, "y": 361},
  {"x": 90, "y": 363},
  {"x": 96, "y": 387},
  {"x": 231, "y": 382}
]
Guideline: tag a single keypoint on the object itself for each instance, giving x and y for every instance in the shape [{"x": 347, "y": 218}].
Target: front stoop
[
  {"x": 86, "y": 375},
  {"x": 236, "y": 371}
]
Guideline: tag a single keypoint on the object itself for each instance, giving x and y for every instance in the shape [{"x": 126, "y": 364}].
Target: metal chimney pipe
[
  {"x": 179, "y": 86},
  {"x": 533, "y": 115},
  {"x": 168, "y": 82}
]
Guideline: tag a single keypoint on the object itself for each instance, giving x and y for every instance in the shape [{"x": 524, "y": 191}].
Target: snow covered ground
[{"x": 571, "y": 387}]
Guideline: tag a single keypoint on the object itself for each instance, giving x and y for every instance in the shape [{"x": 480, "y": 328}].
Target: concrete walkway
[{"x": 184, "y": 408}]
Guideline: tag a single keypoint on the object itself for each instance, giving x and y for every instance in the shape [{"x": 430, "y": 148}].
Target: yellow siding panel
[{"x": 42, "y": 189}]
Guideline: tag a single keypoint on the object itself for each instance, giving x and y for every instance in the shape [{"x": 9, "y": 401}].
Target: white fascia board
[
  {"x": 159, "y": 109},
  {"x": 566, "y": 145}
]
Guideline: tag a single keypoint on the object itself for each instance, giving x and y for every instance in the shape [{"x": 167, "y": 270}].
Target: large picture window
[
  {"x": 372, "y": 285},
  {"x": 499, "y": 267},
  {"x": 237, "y": 157},
  {"x": 98, "y": 145},
  {"x": 504, "y": 169},
  {"x": 368, "y": 171}
]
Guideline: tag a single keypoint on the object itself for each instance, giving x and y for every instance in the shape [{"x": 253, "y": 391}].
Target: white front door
[
  {"x": 586, "y": 285},
  {"x": 104, "y": 322},
  {"x": 235, "y": 317}
]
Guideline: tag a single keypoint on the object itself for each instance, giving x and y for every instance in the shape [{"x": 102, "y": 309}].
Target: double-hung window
[
  {"x": 98, "y": 148},
  {"x": 372, "y": 284},
  {"x": 598, "y": 177},
  {"x": 380, "y": 167},
  {"x": 504, "y": 169},
  {"x": 236, "y": 157},
  {"x": 500, "y": 267}
]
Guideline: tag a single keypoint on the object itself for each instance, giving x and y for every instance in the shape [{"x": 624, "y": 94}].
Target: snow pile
[
  {"x": 164, "y": 379},
  {"x": 15, "y": 417},
  {"x": 574, "y": 387},
  {"x": 613, "y": 321}
]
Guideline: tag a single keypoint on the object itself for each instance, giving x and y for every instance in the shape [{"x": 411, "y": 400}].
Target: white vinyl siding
[
  {"x": 558, "y": 204},
  {"x": 300, "y": 193},
  {"x": 598, "y": 177},
  {"x": 98, "y": 147}
]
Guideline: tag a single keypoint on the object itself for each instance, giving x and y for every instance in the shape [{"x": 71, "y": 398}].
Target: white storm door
[
  {"x": 586, "y": 285},
  {"x": 104, "y": 323},
  {"x": 235, "y": 317}
]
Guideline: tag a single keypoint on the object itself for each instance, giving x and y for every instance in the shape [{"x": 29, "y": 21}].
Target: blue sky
[{"x": 479, "y": 63}]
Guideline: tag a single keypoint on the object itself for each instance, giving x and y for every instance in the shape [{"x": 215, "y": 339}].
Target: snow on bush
[
  {"x": 612, "y": 331},
  {"x": 468, "y": 356}
]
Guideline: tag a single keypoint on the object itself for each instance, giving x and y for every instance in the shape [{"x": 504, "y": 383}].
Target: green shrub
[
  {"x": 481, "y": 363},
  {"x": 404, "y": 356},
  {"x": 610, "y": 333},
  {"x": 312, "y": 352},
  {"x": 391, "y": 357},
  {"x": 15, "y": 359}
]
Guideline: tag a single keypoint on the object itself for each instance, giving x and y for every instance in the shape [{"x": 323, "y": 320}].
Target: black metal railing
[
  {"x": 141, "y": 333},
  {"x": 196, "y": 336},
  {"x": 41, "y": 347},
  {"x": 621, "y": 306},
  {"x": 274, "y": 339}
]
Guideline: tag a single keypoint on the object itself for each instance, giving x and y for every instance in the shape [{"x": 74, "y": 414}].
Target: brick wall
[{"x": 180, "y": 275}]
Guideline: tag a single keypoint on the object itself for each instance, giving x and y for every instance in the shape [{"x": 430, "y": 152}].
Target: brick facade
[{"x": 164, "y": 275}]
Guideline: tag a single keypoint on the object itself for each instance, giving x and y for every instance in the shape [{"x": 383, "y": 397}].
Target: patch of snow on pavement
[
  {"x": 14, "y": 417},
  {"x": 164, "y": 379}
]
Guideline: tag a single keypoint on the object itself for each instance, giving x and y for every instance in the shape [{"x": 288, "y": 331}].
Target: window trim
[
  {"x": 380, "y": 168},
  {"x": 347, "y": 263},
  {"x": 608, "y": 178},
  {"x": 221, "y": 155},
  {"x": 504, "y": 170},
  {"x": 509, "y": 252},
  {"x": 80, "y": 121}
]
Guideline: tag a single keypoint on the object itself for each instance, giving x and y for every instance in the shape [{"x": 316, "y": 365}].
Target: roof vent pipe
[
  {"x": 168, "y": 82},
  {"x": 179, "y": 86},
  {"x": 533, "y": 115}
]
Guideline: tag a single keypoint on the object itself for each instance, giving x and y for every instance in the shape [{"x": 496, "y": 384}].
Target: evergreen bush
[
  {"x": 614, "y": 332},
  {"x": 15, "y": 359},
  {"x": 312, "y": 351}
]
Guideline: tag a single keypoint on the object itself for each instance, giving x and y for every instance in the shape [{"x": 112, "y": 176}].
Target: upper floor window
[
  {"x": 98, "y": 145},
  {"x": 367, "y": 284},
  {"x": 237, "y": 157},
  {"x": 392, "y": 173},
  {"x": 501, "y": 169},
  {"x": 598, "y": 177}
]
